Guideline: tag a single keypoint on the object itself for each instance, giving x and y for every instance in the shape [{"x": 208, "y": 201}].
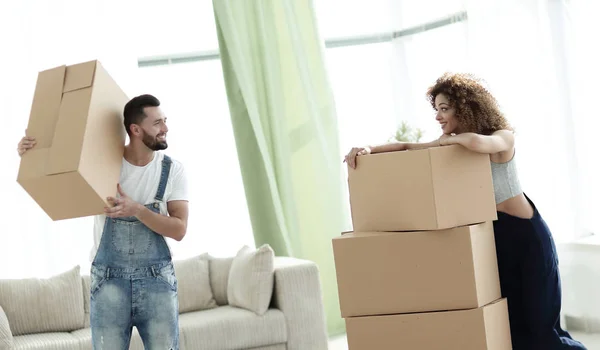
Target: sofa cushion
[
  {"x": 46, "y": 341},
  {"x": 282, "y": 346},
  {"x": 228, "y": 327},
  {"x": 219, "y": 275},
  {"x": 193, "y": 285},
  {"x": 43, "y": 305},
  {"x": 250, "y": 284},
  {"x": 84, "y": 337},
  {"x": 6, "y": 338}
]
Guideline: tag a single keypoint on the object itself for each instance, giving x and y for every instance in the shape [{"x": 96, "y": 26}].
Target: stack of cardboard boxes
[{"x": 419, "y": 271}]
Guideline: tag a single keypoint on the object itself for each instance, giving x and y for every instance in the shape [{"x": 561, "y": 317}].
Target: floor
[{"x": 591, "y": 341}]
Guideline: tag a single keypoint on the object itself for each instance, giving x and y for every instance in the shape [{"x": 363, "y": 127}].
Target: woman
[{"x": 527, "y": 261}]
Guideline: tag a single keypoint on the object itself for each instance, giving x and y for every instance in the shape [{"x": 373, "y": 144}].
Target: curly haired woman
[{"x": 529, "y": 277}]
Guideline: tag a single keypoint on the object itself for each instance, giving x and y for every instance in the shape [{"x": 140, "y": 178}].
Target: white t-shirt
[{"x": 140, "y": 183}]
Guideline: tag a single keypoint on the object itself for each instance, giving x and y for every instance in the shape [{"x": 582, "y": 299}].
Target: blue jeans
[{"x": 530, "y": 280}]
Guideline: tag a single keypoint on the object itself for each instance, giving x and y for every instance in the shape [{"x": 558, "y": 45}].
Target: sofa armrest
[
  {"x": 297, "y": 293},
  {"x": 6, "y": 338}
]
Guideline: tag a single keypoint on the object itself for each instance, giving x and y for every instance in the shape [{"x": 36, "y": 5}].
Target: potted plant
[{"x": 405, "y": 133}]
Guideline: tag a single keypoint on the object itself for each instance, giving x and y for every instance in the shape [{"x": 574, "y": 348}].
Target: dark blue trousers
[{"x": 530, "y": 280}]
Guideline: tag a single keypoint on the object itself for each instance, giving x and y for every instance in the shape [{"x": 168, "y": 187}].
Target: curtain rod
[{"x": 176, "y": 58}]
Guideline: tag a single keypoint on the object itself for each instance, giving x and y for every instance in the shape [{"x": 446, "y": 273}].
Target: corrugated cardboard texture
[
  {"x": 79, "y": 76},
  {"x": 400, "y": 272},
  {"x": 436, "y": 188},
  {"x": 76, "y": 118},
  {"x": 463, "y": 186},
  {"x": 485, "y": 263},
  {"x": 104, "y": 150},
  {"x": 484, "y": 328},
  {"x": 45, "y": 108},
  {"x": 497, "y": 325},
  {"x": 65, "y": 151}
]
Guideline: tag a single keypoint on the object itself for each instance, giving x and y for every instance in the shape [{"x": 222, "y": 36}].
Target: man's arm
[{"x": 172, "y": 226}]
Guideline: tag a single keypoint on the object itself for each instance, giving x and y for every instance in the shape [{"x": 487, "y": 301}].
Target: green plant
[{"x": 405, "y": 133}]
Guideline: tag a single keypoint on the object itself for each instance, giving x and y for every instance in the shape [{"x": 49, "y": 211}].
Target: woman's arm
[
  {"x": 499, "y": 141},
  {"x": 386, "y": 147},
  {"x": 402, "y": 146}
]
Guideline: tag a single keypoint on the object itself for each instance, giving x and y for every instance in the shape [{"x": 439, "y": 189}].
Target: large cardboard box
[
  {"x": 430, "y": 189},
  {"x": 401, "y": 272},
  {"x": 76, "y": 118},
  {"x": 485, "y": 328}
]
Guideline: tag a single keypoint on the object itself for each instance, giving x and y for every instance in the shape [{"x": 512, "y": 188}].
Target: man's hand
[
  {"x": 122, "y": 206},
  {"x": 25, "y": 144}
]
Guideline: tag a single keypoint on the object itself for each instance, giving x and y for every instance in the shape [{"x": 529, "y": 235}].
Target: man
[{"x": 132, "y": 277}]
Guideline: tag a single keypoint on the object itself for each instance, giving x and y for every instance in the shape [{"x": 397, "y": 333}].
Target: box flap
[
  {"x": 65, "y": 154},
  {"x": 382, "y": 190},
  {"x": 33, "y": 164},
  {"x": 79, "y": 76},
  {"x": 497, "y": 325},
  {"x": 462, "y": 179},
  {"x": 436, "y": 207},
  {"x": 486, "y": 270},
  {"x": 46, "y": 105}
]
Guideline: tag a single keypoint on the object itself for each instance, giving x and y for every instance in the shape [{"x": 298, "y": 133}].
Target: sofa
[{"x": 253, "y": 300}]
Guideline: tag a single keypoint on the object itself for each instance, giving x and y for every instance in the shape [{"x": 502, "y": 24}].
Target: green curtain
[{"x": 285, "y": 126}]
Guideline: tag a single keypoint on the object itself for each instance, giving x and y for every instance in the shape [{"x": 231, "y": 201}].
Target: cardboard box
[
  {"x": 382, "y": 273},
  {"x": 430, "y": 189},
  {"x": 485, "y": 328},
  {"x": 77, "y": 120}
]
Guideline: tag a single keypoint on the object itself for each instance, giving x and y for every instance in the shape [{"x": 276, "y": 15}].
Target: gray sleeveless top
[{"x": 506, "y": 180}]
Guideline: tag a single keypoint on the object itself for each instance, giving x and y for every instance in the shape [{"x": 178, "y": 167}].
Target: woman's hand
[
  {"x": 354, "y": 152},
  {"x": 444, "y": 140}
]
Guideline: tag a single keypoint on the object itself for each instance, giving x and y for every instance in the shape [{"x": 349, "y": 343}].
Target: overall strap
[{"x": 164, "y": 176}]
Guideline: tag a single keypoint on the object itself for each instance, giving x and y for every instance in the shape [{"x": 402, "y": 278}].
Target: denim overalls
[{"x": 133, "y": 283}]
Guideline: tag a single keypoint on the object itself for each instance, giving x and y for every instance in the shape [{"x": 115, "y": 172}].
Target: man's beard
[{"x": 153, "y": 143}]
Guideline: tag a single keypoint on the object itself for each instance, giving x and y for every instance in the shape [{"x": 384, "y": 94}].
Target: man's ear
[{"x": 135, "y": 129}]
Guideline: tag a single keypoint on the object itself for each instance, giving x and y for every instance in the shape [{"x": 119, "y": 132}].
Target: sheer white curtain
[
  {"x": 174, "y": 26},
  {"x": 377, "y": 86},
  {"x": 584, "y": 58},
  {"x": 536, "y": 56},
  {"x": 39, "y": 34},
  {"x": 200, "y": 133},
  {"x": 526, "y": 51},
  {"x": 514, "y": 45},
  {"x": 201, "y": 137}
]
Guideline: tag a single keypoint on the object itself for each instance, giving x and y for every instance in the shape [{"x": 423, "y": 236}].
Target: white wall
[{"x": 580, "y": 272}]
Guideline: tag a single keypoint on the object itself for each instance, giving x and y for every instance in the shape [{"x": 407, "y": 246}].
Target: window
[
  {"x": 163, "y": 28},
  {"x": 201, "y": 137},
  {"x": 378, "y": 86},
  {"x": 581, "y": 16}
]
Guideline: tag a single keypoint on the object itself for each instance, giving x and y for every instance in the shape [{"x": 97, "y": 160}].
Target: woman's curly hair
[{"x": 476, "y": 109}]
